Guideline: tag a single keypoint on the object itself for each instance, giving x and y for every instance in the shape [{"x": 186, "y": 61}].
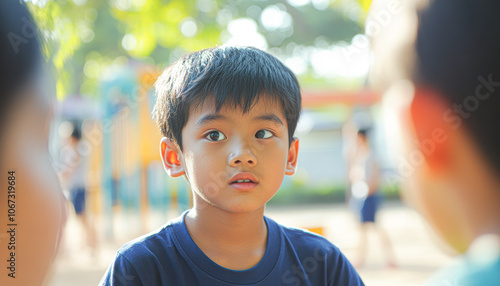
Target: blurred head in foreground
[
  {"x": 33, "y": 198},
  {"x": 438, "y": 64}
]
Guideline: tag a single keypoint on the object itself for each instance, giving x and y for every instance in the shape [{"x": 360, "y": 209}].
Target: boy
[
  {"x": 444, "y": 74},
  {"x": 228, "y": 115}
]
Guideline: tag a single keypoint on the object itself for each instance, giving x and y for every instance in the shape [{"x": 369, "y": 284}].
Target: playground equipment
[{"x": 132, "y": 177}]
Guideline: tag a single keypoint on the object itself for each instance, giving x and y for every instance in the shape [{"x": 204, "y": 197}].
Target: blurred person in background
[
  {"x": 364, "y": 173},
  {"x": 72, "y": 177},
  {"x": 32, "y": 210},
  {"x": 439, "y": 67}
]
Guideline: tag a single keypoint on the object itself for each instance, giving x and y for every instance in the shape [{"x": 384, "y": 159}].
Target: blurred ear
[
  {"x": 170, "y": 153},
  {"x": 293, "y": 154},
  {"x": 433, "y": 121}
]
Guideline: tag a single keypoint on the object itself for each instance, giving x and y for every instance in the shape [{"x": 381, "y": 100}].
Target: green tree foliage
[{"x": 83, "y": 37}]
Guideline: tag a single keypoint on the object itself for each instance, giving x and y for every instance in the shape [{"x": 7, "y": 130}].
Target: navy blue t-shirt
[{"x": 169, "y": 256}]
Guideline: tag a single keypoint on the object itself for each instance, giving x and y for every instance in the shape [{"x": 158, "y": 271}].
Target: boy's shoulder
[
  {"x": 156, "y": 242},
  {"x": 313, "y": 253},
  {"x": 305, "y": 240},
  {"x": 142, "y": 261}
]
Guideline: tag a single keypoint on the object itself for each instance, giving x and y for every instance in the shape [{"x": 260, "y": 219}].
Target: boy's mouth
[{"x": 243, "y": 181}]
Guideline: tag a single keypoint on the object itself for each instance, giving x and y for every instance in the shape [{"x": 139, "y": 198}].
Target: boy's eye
[
  {"x": 263, "y": 134},
  {"x": 215, "y": 136}
]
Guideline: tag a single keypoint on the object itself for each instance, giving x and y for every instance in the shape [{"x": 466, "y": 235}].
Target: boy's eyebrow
[
  {"x": 269, "y": 117},
  {"x": 216, "y": 116},
  {"x": 209, "y": 117}
]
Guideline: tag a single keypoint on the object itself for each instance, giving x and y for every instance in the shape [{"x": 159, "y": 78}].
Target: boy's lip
[{"x": 243, "y": 176}]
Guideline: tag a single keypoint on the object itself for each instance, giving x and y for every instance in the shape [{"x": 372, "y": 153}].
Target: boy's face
[{"x": 220, "y": 146}]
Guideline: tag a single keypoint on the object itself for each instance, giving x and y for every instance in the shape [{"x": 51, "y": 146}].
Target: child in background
[
  {"x": 72, "y": 175},
  {"x": 439, "y": 65},
  {"x": 364, "y": 175},
  {"x": 228, "y": 115}
]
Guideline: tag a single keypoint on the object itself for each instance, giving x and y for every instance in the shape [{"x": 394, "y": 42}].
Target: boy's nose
[{"x": 243, "y": 157}]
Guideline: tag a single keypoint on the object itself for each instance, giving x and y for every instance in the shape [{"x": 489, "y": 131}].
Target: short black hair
[
  {"x": 363, "y": 132},
  {"x": 457, "y": 44},
  {"x": 77, "y": 131},
  {"x": 20, "y": 52},
  {"x": 232, "y": 76}
]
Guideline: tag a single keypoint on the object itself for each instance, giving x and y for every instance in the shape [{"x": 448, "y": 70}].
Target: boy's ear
[
  {"x": 434, "y": 122},
  {"x": 170, "y": 152},
  {"x": 293, "y": 154}
]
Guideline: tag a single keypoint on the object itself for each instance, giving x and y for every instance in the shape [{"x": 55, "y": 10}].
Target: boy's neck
[{"x": 236, "y": 241}]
